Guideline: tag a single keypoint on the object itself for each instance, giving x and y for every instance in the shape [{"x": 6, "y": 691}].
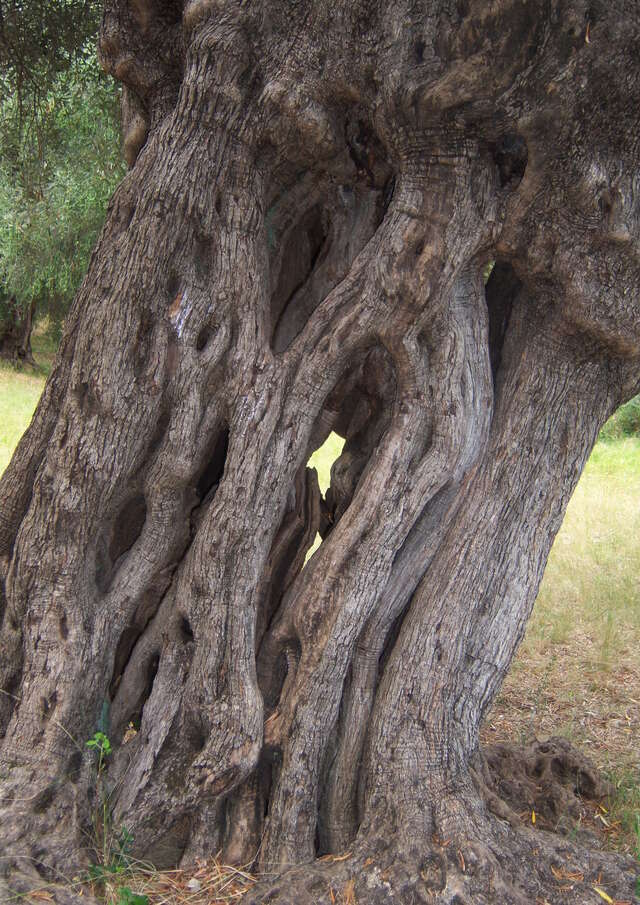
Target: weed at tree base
[{"x": 113, "y": 848}]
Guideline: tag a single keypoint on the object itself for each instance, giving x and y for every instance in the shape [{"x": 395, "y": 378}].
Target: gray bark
[{"x": 315, "y": 190}]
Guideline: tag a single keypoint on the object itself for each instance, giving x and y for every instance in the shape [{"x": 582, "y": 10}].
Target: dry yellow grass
[
  {"x": 577, "y": 672},
  {"x": 208, "y": 883}
]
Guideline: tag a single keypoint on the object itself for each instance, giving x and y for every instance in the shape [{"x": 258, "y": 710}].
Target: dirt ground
[{"x": 563, "y": 690}]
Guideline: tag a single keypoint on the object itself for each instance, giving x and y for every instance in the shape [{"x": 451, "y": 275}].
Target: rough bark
[{"x": 315, "y": 190}]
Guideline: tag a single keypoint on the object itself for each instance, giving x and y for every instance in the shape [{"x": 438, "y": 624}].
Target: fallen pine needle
[
  {"x": 334, "y": 858},
  {"x": 349, "y": 893}
]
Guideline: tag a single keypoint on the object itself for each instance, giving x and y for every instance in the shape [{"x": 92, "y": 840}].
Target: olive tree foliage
[
  {"x": 40, "y": 39},
  {"x": 315, "y": 190},
  {"x": 60, "y": 160}
]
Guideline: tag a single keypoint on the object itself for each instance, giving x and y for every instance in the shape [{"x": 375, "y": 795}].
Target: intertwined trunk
[{"x": 299, "y": 247}]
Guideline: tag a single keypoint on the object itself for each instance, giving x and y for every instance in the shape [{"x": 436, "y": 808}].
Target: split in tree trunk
[{"x": 298, "y": 248}]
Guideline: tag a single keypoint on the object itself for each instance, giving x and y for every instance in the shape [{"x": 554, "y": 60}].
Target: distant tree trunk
[
  {"x": 15, "y": 332},
  {"x": 315, "y": 192}
]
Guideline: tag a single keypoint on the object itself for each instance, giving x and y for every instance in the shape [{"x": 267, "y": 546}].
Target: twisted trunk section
[{"x": 299, "y": 248}]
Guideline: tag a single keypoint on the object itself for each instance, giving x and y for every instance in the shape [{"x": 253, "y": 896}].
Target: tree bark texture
[{"x": 314, "y": 193}]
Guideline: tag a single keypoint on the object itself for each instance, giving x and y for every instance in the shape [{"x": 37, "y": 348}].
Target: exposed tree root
[
  {"x": 42, "y": 840},
  {"x": 500, "y": 858},
  {"x": 504, "y": 866}
]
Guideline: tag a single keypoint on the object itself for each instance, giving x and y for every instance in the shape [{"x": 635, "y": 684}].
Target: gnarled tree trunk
[{"x": 315, "y": 191}]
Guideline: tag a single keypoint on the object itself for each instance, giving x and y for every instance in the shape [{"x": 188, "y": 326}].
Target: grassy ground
[
  {"x": 20, "y": 389},
  {"x": 323, "y": 459},
  {"x": 577, "y": 672}
]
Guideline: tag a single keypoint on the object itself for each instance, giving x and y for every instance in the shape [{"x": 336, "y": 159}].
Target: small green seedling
[
  {"x": 126, "y": 897},
  {"x": 102, "y": 820},
  {"x": 102, "y": 745}
]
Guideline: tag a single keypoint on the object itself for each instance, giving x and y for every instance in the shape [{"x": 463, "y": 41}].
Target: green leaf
[
  {"x": 127, "y": 897},
  {"x": 100, "y": 742}
]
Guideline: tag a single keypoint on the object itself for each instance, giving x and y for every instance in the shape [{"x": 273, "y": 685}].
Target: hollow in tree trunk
[{"x": 315, "y": 191}]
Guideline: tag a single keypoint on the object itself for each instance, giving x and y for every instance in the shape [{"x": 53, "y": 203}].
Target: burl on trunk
[{"x": 314, "y": 193}]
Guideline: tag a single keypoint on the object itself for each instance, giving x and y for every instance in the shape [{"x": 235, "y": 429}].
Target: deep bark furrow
[
  {"x": 443, "y": 724},
  {"x": 340, "y": 809},
  {"x": 327, "y": 634},
  {"x": 85, "y": 698},
  {"x": 107, "y": 473},
  {"x": 234, "y": 703}
]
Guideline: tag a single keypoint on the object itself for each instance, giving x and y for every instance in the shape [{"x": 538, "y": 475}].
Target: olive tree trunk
[{"x": 314, "y": 194}]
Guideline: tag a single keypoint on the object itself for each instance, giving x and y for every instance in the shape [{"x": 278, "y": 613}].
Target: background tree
[
  {"x": 299, "y": 247},
  {"x": 38, "y": 40},
  {"x": 60, "y": 160}
]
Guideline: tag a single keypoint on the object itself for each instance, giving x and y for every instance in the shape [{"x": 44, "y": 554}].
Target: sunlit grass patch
[
  {"x": 19, "y": 394},
  {"x": 322, "y": 460},
  {"x": 20, "y": 389},
  {"x": 577, "y": 673},
  {"x": 324, "y": 457},
  {"x": 592, "y": 578}
]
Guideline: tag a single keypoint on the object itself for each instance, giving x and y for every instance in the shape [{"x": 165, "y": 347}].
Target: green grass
[
  {"x": 20, "y": 389},
  {"x": 625, "y": 803},
  {"x": 324, "y": 457},
  {"x": 592, "y": 577},
  {"x": 322, "y": 460}
]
